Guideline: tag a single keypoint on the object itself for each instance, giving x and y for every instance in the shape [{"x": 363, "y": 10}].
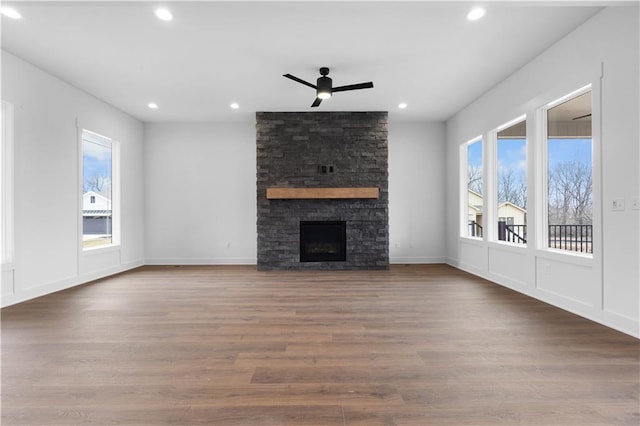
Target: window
[
  {"x": 98, "y": 191},
  {"x": 473, "y": 190},
  {"x": 508, "y": 220},
  {"x": 511, "y": 166},
  {"x": 569, "y": 173},
  {"x": 6, "y": 183}
]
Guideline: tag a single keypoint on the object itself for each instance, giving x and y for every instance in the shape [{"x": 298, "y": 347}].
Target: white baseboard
[
  {"x": 609, "y": 319},
  {"x": 42, "y": 290},
  {"x": 451, "y": 261},
  {"x": 415, "y": 260},
  {"x": 203, "y": 261}
]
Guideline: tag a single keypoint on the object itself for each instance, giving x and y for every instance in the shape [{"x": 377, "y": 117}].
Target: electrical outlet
[
  {"x": 617, "y": 205},
  {"x": 635, "y": 203}
]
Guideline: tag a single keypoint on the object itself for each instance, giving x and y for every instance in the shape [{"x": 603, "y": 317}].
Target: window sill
[
  {"x": 566, "y": 256},
  {"x": 507, "y": 245},
  {"x": 473, "y": 240},
  {"x": 99, "y": 250}
]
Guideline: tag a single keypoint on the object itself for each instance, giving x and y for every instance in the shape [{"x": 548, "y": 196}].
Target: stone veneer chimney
[{"x": 322, "y": 150}]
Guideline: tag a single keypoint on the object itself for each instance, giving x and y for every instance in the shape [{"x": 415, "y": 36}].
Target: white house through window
[{"x": 98, "y": 189}]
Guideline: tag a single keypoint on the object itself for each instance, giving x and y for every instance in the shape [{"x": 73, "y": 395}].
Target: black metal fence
[
  {"x": 578, "y": 238},
  {"x": 512, "y": 233},
  {"x": 571, "y": 237},
  {"x": 475, "y": 229}
]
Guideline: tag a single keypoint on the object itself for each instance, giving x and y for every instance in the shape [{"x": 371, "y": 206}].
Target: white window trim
[
  {"x": 115, "y": 195},
  {"x": 542, "y": 175},
  {"x": 7, "y": 185},
  {"x": 464, "y": 187},
  {"x": 492, "y": 211}
]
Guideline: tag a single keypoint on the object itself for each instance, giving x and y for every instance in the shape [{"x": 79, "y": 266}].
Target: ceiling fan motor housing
[{"x": 324, "y": 85}]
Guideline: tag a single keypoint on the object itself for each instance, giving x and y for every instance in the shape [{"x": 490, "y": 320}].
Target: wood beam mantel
[{"x": 321, "y": 193}]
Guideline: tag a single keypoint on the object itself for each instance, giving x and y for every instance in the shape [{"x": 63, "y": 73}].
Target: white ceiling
[{"x": 426, "y": 54}]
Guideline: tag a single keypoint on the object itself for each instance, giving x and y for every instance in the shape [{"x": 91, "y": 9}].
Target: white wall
[
  {"x": 46, "y": 184},
  {"x": 416, "y": 192},
  {"x": 605, "y": 288},
  {"x": 200, "y": 193}
]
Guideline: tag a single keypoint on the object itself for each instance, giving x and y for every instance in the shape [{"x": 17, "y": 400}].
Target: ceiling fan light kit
[{"x": 324, "y": 86}]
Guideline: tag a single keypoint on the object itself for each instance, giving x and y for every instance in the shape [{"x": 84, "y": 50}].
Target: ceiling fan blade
[
  {"x": 368, "y": 85},
  {"x": 582, "y": 116},
  {"x": 316, "y": 102},
  {"x": 299, "y": 80}
]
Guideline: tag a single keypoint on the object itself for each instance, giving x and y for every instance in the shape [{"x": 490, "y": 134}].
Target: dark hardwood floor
[{"x": 418, "y": 345}]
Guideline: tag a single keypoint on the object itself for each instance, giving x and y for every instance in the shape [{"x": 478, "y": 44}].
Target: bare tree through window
[{"x": 570, "y": 175}]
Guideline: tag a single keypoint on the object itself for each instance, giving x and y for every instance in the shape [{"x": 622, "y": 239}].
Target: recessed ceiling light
[
  {"x": 152, "y": 105},
  {"x": 476, "y": 14},
  {"x": 403, "y": 105},
  {"x": 234, "y": 105},
  {"x": 10, "y": 13},
  {"x": 164, "y": 14}
]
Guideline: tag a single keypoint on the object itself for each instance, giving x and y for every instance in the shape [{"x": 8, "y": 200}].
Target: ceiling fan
[
  {"x": 324, "y": 88},
  {"x": 582, "y": 116}
]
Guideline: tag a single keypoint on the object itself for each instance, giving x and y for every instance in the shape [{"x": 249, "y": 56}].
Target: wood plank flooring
[{"x": 416, "y": 345}]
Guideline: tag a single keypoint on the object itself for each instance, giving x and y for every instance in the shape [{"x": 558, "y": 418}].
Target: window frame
[
  {"x": 464, "y": 186},
  {"x": 115, "y": 194},
  {"x": 542, "y": 193},
  {"x": 493, "y": 167}
]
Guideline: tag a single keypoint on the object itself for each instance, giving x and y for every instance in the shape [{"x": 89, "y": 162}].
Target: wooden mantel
[{"x": 321, "y": 193}]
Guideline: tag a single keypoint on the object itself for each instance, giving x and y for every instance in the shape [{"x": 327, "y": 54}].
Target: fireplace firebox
[{"x": 323, "y": 241}]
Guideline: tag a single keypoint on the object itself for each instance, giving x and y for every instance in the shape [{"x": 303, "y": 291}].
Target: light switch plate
[
  {"x": 617, "y": 205},
  {"x": 635, "y": 203}
]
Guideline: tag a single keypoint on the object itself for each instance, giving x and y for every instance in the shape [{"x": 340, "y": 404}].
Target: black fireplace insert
[{"x": 323, "y": 241}]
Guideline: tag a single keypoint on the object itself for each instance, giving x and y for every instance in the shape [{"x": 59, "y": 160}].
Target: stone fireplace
[{"x": 319, "y": 168}]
